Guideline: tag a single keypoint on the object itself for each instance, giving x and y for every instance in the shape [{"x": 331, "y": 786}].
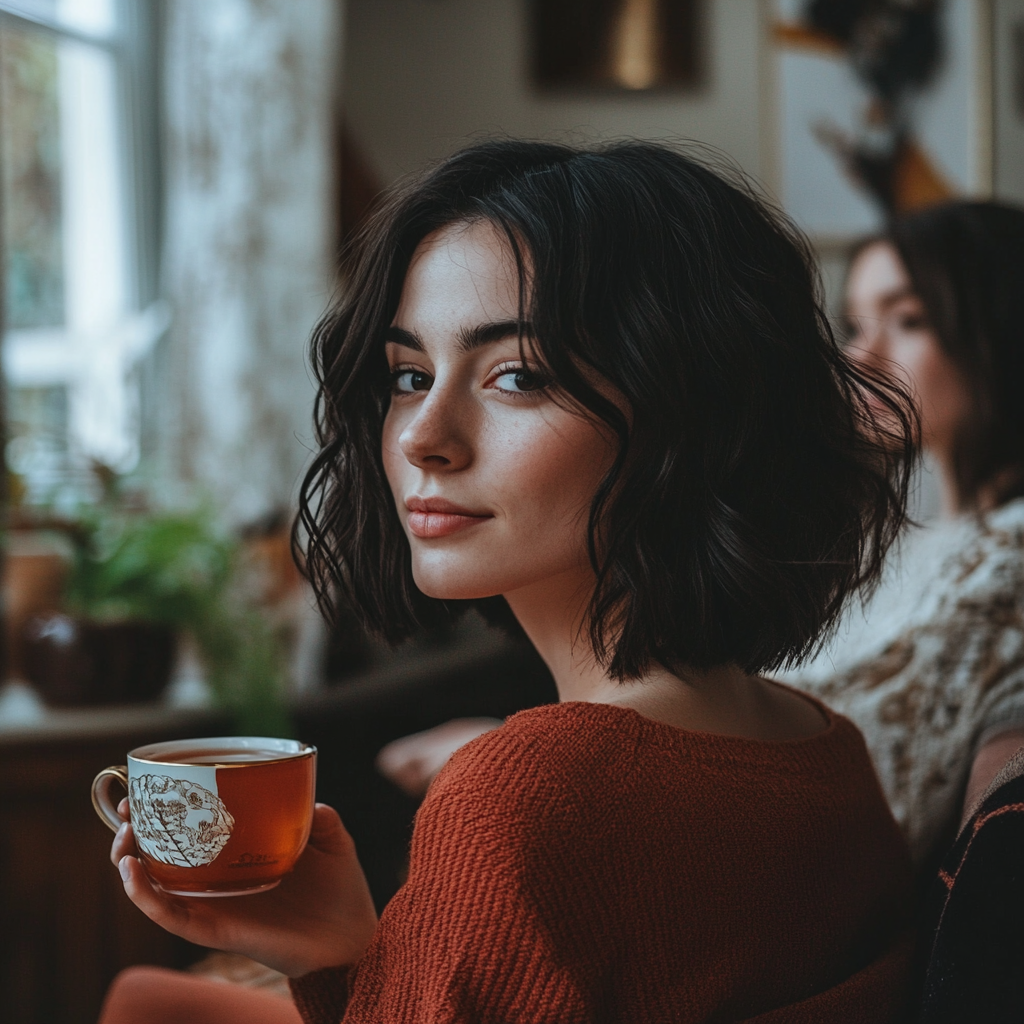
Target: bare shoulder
[{"x": 788, "y": 715}]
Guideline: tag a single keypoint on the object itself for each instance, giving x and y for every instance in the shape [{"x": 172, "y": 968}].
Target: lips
[{"x": 437, "y": 517}]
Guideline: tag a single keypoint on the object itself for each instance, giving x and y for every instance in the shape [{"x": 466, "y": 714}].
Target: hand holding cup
[
  {"x": 321, "y": 915},
  {"x": 220, "y": 818}
]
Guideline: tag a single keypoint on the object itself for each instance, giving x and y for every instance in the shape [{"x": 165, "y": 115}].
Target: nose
[{"x": 437, "y": 438}]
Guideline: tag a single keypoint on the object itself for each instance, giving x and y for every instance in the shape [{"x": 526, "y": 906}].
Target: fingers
[
  {"x": 124, "y": 841},
  {"x": 414, "y": 776},
  {"x": 390, "y": 759},
  {"x": 328, "y": 834},
  {"x": 150, "y": 900},
  {"x": 123, "y": 845},
  {"x": 412, "y": 761},
  {"x": 407, "y": 763}
]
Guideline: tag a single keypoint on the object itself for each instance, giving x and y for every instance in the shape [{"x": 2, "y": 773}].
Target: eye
[
  {"x": 519, "y": 380},
  {"x": 912, "y": 321},
  {"x": 405, "y": 381}
]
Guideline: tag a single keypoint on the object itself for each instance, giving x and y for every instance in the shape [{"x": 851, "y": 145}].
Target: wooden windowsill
[{"x": 401, "y": 674}]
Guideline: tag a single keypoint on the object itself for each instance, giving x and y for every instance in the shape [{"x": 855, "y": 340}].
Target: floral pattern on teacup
[{"x": 178, "y": 822}]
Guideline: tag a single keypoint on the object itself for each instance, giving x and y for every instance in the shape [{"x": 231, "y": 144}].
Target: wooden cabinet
[{"x": 66, "y": 926}]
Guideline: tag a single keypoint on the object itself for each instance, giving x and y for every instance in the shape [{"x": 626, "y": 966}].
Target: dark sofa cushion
[{"x": 975, "y": 914}]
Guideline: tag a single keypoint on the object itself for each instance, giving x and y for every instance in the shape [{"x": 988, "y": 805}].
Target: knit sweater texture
[{"x": 587, "y": 864}]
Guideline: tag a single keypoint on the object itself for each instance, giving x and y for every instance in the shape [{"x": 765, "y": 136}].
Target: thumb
[{"x": 328, "y": 834}]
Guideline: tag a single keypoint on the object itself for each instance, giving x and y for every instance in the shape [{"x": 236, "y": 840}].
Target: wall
[
  {"x": 425, "y": 76},
  {"x": 1009, "y": 99},
  {"x": 251, "y": 90}
]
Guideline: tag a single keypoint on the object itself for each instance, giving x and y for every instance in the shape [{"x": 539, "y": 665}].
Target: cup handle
[{"x": 101, "y": 799}]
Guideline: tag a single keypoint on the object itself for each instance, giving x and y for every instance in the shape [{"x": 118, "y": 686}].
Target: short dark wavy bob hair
[{"x": 752, "y": 493}]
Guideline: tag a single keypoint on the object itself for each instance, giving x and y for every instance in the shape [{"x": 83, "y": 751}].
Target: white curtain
[{"x": 250, "y": 103}]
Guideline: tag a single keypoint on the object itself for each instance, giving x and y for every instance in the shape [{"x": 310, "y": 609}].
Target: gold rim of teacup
[{"x": 309, "y": 751}]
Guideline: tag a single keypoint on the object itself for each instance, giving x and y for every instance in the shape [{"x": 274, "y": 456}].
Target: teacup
[{"x": 215, "y": 817}]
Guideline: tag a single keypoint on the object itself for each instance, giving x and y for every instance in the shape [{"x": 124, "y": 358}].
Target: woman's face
[
  {"x": 492, "y": 479},
  {"x": 890, "y": 331}
]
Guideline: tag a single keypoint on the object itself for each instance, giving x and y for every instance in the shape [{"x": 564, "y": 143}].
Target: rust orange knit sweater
[{"x": 587, "y": 864}]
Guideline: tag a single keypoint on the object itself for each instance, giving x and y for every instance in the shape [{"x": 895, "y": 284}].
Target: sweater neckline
[{"x": 711, "y": 739}]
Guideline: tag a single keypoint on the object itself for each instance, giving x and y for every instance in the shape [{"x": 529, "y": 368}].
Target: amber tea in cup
[{"x": 215, "y": 817}]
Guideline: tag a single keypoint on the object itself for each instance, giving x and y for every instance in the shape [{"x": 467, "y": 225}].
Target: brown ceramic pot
[{"x": 77, "y": 662}]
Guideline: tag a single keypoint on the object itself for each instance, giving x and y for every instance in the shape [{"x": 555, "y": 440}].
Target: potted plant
[{"x": 139, "y": 580}]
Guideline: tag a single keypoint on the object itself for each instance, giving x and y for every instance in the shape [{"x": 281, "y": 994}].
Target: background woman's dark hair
[
  {"x": 966, "y": 262},
  {"x": 752, "y": 492}
]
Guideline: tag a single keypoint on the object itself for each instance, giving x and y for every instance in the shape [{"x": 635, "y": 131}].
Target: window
[{"x": 79, "y": 222}]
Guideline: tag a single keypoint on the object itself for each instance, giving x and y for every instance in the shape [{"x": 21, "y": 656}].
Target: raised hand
[
  {"x": 412, "y": 761},
  {"x": 321, "y": 914}
]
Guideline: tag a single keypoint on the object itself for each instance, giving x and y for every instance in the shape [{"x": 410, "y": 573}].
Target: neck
[
  {"x": 553, "y": 615},
  {"x": 950, "y": 505},
  {"x": 723, "y": 700}
]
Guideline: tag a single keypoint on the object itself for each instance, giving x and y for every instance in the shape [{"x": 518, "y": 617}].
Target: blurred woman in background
[{"x": 932, "y": 670}]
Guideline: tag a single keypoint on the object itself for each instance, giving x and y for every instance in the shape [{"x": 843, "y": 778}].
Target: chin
[
  {"x": 450, "y": 590},
  {"x": 445, "y": 581}
]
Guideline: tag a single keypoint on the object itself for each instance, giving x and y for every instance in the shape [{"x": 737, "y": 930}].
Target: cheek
[
  {"x": 551, "y": 474},
  {"x": 538, "y": 475},
  {"x": 944, "y": 397},
  {"x": 391, "y": 454}
]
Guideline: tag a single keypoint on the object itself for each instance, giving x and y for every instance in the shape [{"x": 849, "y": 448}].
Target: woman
[
  {"x": 594, "y": 389},
  {"x": 933, "y": 670}
]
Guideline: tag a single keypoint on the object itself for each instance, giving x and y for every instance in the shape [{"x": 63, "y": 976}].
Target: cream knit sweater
[{"x": 933, "y": 662}]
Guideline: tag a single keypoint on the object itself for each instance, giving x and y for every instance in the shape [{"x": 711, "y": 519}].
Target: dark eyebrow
[
  {"x": 400, "y": 336},
  {"x": 475, "y": 337},
  {"x": 888, "y": 299},
  {"x": 898, "y": 295},
  {"x": 497, "y": 330}
]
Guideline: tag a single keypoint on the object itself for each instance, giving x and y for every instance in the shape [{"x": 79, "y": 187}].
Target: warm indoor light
[{"x": 634, "y": 54}]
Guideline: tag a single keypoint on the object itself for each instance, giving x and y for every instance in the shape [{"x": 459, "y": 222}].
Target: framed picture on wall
[
  {"x": 1008, "y": 99},
  {"x": 616, "y": 45},
  {"x": 870, "y": 118}
]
